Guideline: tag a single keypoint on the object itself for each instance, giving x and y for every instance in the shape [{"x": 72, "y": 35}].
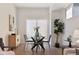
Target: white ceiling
[{"x": 54, "y": 6}]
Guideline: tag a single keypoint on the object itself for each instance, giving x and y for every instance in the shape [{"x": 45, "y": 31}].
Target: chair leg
[
  {"x": 49, "y": 45},
  {"x": 25, "y": 45},
  {"x": 37, "y": 48}
]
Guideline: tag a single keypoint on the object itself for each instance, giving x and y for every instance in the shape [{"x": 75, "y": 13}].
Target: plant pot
[
  {"x": 70, "y": 44},
  {"x": 57, "y": 45}
]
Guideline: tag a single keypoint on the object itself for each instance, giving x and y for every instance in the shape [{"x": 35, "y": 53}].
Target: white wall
[
  {"x": 71, "y": 25},
  {"x": 5, "y": 10},
  {"x": 38, "y": 13},
  {"x": 29, "y": 13},
  {"x": 57, "y": 14}
]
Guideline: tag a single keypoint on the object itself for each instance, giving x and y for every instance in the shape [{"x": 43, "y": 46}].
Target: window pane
[{"x": 69, "y": 13}]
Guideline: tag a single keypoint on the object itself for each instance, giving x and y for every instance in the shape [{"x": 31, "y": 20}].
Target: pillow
[
  {"x": 6, "y": 52},
  {"x": 77, "y": 43}
]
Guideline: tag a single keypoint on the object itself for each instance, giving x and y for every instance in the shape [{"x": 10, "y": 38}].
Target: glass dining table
[
  {"x": 37, "y": 39},
  {"x": 38, "y": 42}
]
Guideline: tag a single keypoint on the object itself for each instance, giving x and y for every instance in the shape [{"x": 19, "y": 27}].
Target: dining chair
[
  {"x": 48, "y": 41},
  {"x": 27, "y": 41},
  {"x": 1, "y": 44}
]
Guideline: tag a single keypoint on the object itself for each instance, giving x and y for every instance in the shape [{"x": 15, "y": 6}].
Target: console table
[{"x": 13, "y": 40}]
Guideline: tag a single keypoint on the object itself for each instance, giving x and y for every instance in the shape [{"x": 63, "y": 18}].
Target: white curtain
[{"x": 43, "y": 27}]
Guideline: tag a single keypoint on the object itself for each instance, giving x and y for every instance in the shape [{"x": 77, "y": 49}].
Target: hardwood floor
[{"x": 21, "y": 50}]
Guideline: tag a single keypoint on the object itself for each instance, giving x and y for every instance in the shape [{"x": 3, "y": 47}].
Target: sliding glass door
[{"x": 43, "y": 27}]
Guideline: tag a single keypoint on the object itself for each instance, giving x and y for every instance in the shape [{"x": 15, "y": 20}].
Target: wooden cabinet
[{"x": 12, "y": 41}]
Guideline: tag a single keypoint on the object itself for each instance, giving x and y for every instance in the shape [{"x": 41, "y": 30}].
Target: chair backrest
[
  {"x": 49, "y": 38},
  {"x": 25, "y": 37}
]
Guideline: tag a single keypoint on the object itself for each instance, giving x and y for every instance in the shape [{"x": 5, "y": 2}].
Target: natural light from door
[{"x": 43, "y": 27}]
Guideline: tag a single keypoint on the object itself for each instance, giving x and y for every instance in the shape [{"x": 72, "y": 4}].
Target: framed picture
[{"x": 10, "y": 25}]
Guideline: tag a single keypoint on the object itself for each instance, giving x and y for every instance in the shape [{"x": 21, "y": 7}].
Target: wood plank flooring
[{"x": 26, "y": 50}]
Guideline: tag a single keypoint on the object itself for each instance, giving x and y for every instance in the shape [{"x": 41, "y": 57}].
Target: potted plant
[
  {"x": 58, "y": 28},
  {"x": 69, "y": 40}
]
